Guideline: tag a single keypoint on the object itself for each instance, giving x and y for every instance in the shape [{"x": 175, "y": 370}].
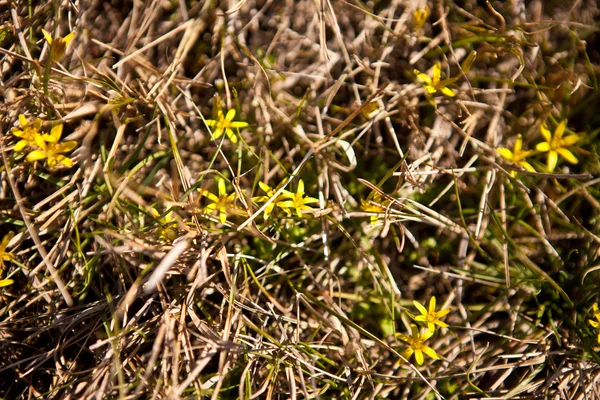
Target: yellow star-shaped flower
[
  {"x": 58, "y": 45},
  {"x": 431, "y": 317},
  {"x": 27, "y": 133},
  {"x": 298, "y": 201},
  {"x": 433, "y": 83},
  {"x": 374, "y": 205},
  {"x": 416, "y": 345},
  {"x": 51, "y": 149},
  {"x": 221, "y": 203},
  {"x": 517, "y": 155},
  {"x": 168, "y": 227},
  {"x": 270, "y": 193},
  {"x": 420, "y": 17},
  {"x": 556, "y": 144},
  {"x": 224, "y": 123},
  {"x": 596, "y": 323},
  {"x": 5, "y": 256}
]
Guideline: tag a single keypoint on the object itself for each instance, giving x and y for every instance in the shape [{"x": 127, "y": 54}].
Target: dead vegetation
[{"x": 260, "y": 190}]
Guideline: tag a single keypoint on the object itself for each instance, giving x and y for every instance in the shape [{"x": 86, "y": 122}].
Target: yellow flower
[
  {"x": 420, "y": 16},
  {"x": 596, "y": 324},
  {"x": 168, "y": 227},
  {"x": 27, "y": 132},
  {"x": 517, "y": 155},
  {"x": 373, "y": 204},
  {"x": 270, "y": 193},
  {"x": 298, "y": 201},
  {"x": 50, "y": 149},
  {"x": 433, "y": 83},
  {"x": 5, "y": 256},
  {"x": 58, "y": 45},
  {"x": 220, "y": 203},
  {"x": 431, "y": 316},
  {"x": 555, "y": 145},
  {"x": 416, "y": 344},
  {"x": 6, "y": 282},
  {"x": 224, "y": 124}
]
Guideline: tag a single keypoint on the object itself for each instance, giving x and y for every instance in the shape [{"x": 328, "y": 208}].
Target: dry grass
[{"x": 127, "y": 286}]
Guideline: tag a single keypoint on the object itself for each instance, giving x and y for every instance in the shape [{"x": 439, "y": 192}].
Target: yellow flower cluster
[
  {"x": 45, "y": 146},
  {"x": 416, "y": 341},
  {"x": 286, "y": 200},
  {"x": 554, "y": 144},
  {"x": 224, "y": 203}
]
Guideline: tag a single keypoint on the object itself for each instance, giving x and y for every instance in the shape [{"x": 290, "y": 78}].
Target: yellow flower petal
[
  {"x": 428, "y": 333},
  {"x": 431, "y": 353},
  {"x": 543, "y": 147},
  {"x": 6, "y": 282},
  {"x": 443, "y": 313},
  {"x": 518, "y": 144},
  {"x": 231, "y": 135},
  {"x": 47, "y": 36},
  {"x": 21, "y": 144},
  {"x": 218, "y": 133},
  {"x": 422, "y": 76},
  {"x": 209, "y": 196},
  {"x": 448, "y": 92},
  {"x": 301, "y": 186},
  {"x": 552, "y": 160},
  {"x": 505, "y": 153},
  {"x": 230, "y": 115},
  {"x": 567, "y": 155},
  {"x": 65, "y": 147},
  {"x": 22, "y": 120},
  {"x": 56, "y": 132},
  {"x": 441, "y": 323},
  {"x": 68, "y": 38},
  {"x": 420, "y": 307},
  {"x": 560, "y": 129},
  {"x": 221, "y": 186},
  {"x": 419, "y": 356},
  {"x": 569, "y": 140},
  {"x": 61, "y": 159},
  {"x": 238, "y": 124},
  {"x": 527, "y": 166},
  {"x": 432, "y": 302},
  {"x": 35, "y": 156},
  {"x": 545, "y": 132},
  {"x": 266, "y": 188},
  {"x": 437, "y": 72}
]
